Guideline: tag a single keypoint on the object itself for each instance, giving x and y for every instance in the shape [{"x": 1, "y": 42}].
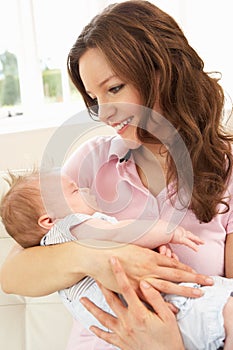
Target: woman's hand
[
  {"x": 136, "y": 327},
  {"x": 74, "y": 260},
  {"x": 140, "y": 263}
]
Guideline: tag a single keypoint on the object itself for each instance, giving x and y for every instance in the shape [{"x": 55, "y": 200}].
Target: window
[
  {"x": 36, "y": 36},
  {"x": 9, "y": 75}
]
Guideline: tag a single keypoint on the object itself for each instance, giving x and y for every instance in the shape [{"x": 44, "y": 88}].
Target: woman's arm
[
  {"x": 136, "y": 327},
  {"x": 229, "y": 256},
  {"x": 40, "y": 271}
]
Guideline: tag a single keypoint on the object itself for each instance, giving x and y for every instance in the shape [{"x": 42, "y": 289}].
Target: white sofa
[
  {"x": 30, "y": 323},
  {"x": 33, "y": 323}
]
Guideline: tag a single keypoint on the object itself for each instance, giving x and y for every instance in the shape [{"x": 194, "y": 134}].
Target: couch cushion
[{"x": 30, "y": 323}]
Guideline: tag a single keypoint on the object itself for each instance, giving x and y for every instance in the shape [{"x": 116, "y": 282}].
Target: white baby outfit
[{"x": 201, "y": 319}]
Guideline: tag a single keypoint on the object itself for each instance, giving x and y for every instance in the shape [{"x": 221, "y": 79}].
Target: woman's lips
[{"x": 119, "y": 127}]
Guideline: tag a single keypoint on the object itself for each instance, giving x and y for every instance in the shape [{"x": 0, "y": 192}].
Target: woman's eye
[
  {"x": 94, "y": 109},
  {"x": 116, "y": 89}
]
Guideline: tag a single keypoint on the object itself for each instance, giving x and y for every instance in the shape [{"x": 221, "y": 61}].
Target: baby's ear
[{"x": 45, "y": 221}]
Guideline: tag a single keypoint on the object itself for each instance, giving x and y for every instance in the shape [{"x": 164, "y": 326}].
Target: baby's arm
[{"x": 145, "y": 233}]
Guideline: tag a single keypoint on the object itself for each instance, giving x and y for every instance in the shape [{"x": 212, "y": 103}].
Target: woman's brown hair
[{"x": 141, "y": 42}]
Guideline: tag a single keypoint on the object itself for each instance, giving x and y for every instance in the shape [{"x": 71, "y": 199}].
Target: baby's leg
[
  {"x": 228, "y": 322},
  {"x": 90, "y": 290}
]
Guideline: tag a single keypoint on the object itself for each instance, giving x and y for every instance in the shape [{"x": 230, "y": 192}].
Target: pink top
[{"x": 120, "y": 193}]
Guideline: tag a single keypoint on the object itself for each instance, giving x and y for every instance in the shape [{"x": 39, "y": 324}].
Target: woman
[{"x": 138, "y": 74}]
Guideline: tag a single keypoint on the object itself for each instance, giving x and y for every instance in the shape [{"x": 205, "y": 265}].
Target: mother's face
[{"x": 119, "y": 103}]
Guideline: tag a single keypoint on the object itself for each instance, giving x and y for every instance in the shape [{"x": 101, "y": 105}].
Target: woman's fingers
[
  {"x": 113, "y": 300},
  {"x": 125, "y": 287},
  {"x": 107, "y": 320},
  {"x": 172, "y": 308},
  {"x": 119, "y": 327},
  {"x": 163, "y": 261},
  {"x": 136, "y": 326},
  {"x": 175, "y": 271},
  {"x": 172, "y": 288},
  {"x": 158, "y": 304},
  {"x": 109, "y": 337}
]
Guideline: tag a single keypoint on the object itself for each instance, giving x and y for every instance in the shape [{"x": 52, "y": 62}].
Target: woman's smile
[{"x": 121, "y": 127}]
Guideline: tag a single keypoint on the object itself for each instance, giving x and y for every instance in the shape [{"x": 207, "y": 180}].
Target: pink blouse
[{"x": 120, "y": 193}]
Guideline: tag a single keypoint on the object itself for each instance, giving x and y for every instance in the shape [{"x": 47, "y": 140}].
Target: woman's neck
[{"x": 150, "y": 160}]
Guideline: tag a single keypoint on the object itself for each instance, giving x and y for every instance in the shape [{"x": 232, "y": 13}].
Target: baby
[
  {"x": 50, "y": 209},
  {"x": 37, "y": 203}
]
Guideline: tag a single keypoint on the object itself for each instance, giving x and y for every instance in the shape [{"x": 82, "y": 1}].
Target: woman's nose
[{"x": 106, "y": 112}]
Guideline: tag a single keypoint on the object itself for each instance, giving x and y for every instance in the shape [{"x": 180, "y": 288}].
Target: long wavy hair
[{"x": 140, "y": 42}]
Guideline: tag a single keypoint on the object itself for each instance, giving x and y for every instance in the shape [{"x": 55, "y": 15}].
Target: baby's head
[
  {"x": 36, "y": 200},
  {"x": 20, "y": 208}
]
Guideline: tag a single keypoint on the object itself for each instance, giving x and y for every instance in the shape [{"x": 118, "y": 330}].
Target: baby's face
[
  {"x": 61, "y": 196},
  {"x": 79, "y": 200}
]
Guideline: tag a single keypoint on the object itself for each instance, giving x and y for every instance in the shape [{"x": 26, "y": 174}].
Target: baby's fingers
[
  {"x": 194, "y": 238},
  {"x": 190, "y": 244},
  {"x": 192, "y": 241},
  {"x": 165, "y": 250}
]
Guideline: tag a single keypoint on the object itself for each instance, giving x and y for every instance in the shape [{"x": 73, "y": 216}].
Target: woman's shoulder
[
  {"x": 94, "y": 152},
  {"x": 101, "y": 146},
  {"x": 98, "y": 144}
]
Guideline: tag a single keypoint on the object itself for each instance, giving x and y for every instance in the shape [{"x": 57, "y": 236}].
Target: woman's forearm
[
  {"x": 40, "y": 271},
  {"x": 44, "y": 270}
]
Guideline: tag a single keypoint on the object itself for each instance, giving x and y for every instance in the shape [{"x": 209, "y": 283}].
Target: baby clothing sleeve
[
  {"x": 60, "y": 232},
  {"x": 87, "y": 287}
]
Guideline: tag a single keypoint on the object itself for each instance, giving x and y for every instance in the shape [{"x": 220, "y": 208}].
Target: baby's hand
[
  {"x": 182, "y": 236},
  {"x": 166, "y": 250}
]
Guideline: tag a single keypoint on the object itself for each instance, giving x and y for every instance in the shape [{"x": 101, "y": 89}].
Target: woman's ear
[{"x": 45, "y": 221}]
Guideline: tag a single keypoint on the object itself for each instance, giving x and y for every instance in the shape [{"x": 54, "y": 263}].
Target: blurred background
[{"x": 36, "y": 36}]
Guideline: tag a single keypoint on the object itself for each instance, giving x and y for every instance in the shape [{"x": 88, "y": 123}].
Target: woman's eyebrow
[
  {"x": 103, "y": 82},
  {"x": 106, "y": 80}
]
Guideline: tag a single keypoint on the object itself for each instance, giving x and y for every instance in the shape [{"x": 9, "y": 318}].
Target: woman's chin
[{"x": 132, "y": 143}]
